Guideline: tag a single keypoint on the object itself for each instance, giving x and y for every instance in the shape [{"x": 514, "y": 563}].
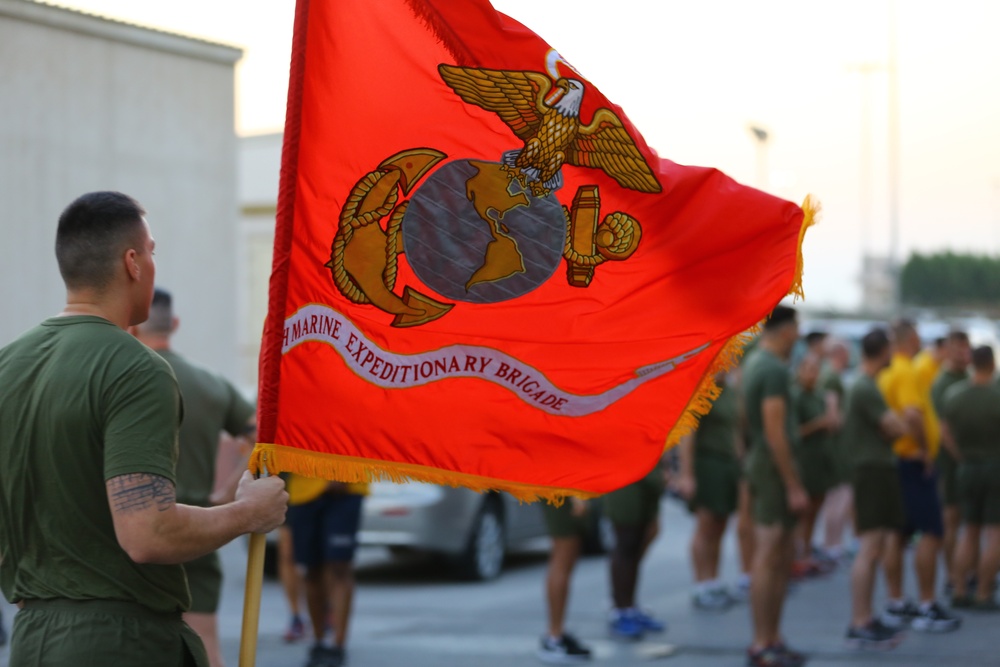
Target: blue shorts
[
  {"x": 325, "y": 530},
  {"x": 921, "y": 501}
]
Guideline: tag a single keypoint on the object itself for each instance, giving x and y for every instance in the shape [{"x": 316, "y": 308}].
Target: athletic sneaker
[
  {"x": 296, "y": 630},
  {"x": 775, "y": 656},
  {"x": 874, "y": 636},
  {"x": 648, "y": 622},
  {"x": 741, "y": 591},
  {"x": 899, "y": 615},
  {"x": 713, "y": 599},
  {"x": 935, "y": 618},
  {"x": 565, "y": 650},
  {"x": 625, "y": 624},
  {"x": 326, "y": 656}
]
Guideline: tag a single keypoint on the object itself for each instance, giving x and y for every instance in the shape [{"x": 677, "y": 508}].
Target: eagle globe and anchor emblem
[{"x": 478, "y": 231}]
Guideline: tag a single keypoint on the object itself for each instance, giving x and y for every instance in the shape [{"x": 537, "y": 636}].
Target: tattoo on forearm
[{"x": 140, "y": 491}]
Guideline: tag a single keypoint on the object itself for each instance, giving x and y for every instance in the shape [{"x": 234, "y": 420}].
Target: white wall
[{"x": 88, "y": 104}]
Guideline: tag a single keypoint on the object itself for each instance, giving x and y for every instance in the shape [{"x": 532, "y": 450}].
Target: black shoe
[
  {"x": 775, "y": 656},
  {"x": 935, "y": 619},
  {"x": 566, "y": 650},
  {"x": 874, "y": 636},
  {"x": 325, "y": 656},
  {"x": 900, "y": 616}
]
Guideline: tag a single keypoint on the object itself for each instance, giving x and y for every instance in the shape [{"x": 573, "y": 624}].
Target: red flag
[{"x": 483, "y": 276}]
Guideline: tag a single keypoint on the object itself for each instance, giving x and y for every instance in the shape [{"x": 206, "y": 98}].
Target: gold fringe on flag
[{"x": 354, "y": 470}]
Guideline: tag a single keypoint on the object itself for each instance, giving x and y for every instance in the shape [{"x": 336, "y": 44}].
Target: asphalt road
[{"x": 413, "y": 613}]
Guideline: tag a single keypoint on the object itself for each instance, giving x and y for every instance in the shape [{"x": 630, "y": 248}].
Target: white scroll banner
[{"x": 389, "y": 370}]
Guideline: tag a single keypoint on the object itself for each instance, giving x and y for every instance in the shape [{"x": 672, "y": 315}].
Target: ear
[
  {"x": 174, "y": 323},
  {"x": 132, "y": 266}
]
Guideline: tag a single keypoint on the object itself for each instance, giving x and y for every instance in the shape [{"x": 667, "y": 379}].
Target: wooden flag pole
[{"x": 251, "y": 600}]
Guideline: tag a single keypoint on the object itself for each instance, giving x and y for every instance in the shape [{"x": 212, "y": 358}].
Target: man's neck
[
  {"x": 774, "y": 347},
  {"x": 982, "y": 378},
  {"x": 90, "y": 302},
  {"x": 156, "y": 342}
]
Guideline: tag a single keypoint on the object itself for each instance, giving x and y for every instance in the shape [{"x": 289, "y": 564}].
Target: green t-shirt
[
  {"x": 830, "y": 380},
  {"x": 716, "y": 434},
  {"x": 809, "y": 405},
  {"x": 211, "y": 405},
  {"x": 862, "y": 433},
  {"x": 972, "y": 412},
  {"x": 765, "y": 376},
  {"x": 942, "y": 382},
  {"x": 82, "y": 402}
]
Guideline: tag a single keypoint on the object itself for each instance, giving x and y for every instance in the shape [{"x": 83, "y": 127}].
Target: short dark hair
[
  {"x": 958, "y": 336},
  {"x": 161, "y": 313},
  {"x": 780, "y": 316},
  {"x": 901, "y": 328},
  {"x": 982, "y": 358},
  {"x": 874, "y": 343},
  {"x": 814, "y": 337},
  {"x": 93, "y": 231}
]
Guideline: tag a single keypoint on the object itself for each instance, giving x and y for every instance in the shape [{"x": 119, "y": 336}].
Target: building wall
[{"x": 89, "y": 104}]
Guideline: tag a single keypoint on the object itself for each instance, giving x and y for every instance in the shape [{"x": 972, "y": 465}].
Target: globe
[{"x": 472, "y": 234}]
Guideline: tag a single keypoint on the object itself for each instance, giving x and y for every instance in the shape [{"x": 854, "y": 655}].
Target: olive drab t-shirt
[
  {"x": 862, "y": 433},
  {"x": 211, "y": 405},
  {"x": 82, "y": 402},
  {"x": 765, "y": 376},
  {"x": 942, "y": 382},
  {"x": 809, "y": 405},
  {"x": 716, "y": 434},
  {"x": 972, "y": 412}
]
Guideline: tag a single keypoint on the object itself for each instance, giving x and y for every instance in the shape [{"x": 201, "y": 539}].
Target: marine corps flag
[{"x": 483, "y": 276}]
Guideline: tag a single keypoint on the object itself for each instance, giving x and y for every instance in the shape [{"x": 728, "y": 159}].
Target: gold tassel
[
  {"x": 811, "y": 209},
  {"x": 354, "y": 470}
]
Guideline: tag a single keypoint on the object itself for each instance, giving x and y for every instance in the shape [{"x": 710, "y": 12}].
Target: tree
[{"x": 951, "y": 279}]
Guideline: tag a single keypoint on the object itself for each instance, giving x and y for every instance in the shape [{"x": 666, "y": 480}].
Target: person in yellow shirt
[
  {"x": 324, "y": 518},
  {"x": 906, "y": 394}
]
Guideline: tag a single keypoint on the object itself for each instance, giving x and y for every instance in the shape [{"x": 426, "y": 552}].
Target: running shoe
[
  {"x": 899, "y": 615},
  {"x": 296, "y": 630},
  {"x": 935, "y": 618},
  {"x": 625, "y": 624},
  {"x": 648, "y": 622},
  {"x": 774, "y": 656},
  {"x": 874, "y": 636},
  {"x": 326, "y": 656},
  {"x": 715, "y": 599},
  {"x": 563, "y": 651}
]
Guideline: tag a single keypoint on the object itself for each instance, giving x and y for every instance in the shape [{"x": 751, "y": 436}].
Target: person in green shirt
[
  {"x": 91, "y": 533},
  {"x": 972, "y": 418},
  {"x": 870, "y": 428},
  {"x": 778, "y": 497},
  {"x": 838, "y": 506},
  {"x": 954, "y": 368},
  {"x": 709, "y": 480},
  {"x": 815, "y": 425},
  {"x": 211, "y": 405}
]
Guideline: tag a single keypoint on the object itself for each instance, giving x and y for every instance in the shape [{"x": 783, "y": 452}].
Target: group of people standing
[{"x": 909, "y": 453}]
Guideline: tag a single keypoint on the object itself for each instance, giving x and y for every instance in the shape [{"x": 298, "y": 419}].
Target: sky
[{"x": 694, "y": 76}]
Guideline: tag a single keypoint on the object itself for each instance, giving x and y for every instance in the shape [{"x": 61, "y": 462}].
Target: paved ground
[{"x": 413, "y": 614}]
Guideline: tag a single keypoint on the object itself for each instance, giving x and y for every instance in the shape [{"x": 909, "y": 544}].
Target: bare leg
[
  {"x": 836, "y": 515},
  {"x": 892, "y": 561},
  {"x": 341, "y": 578},
  {"x": 806, "y": 526},
  {"x": 989, "y": 562},
  {"x": 863, "y": 573},
  {"x": 925, "y": 564},
  {"x": 769, "y": 582},
  {"x": 317, "y": 598},
  {"x": 207, "y": 627},
  {"x": 629, "y": 545},
  {"x": 288, "y": 572},
  {"x": 745, "y": 528},
  {"x": 965, "y": 557},
  {"x": 706, "y": 545},
  {"x": 951, "y": 516},
  {"x": 562, "y": 560}
]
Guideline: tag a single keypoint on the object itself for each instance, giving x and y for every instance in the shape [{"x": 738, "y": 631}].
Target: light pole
[{"x": 761, "y": 136}]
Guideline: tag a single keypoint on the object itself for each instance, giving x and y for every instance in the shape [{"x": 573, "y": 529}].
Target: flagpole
[{"x": 251, "y": 600}]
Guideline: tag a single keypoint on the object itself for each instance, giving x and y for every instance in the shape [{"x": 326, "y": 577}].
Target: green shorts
[
  {"x": 768, "y": 499},
  {"x": 638, "y": 503},
  {"x": 815, "y": 468},
  {"x": 947, "y": 469},
  {"x": 878, "y": 498},
  {"x": 98, "y": 633},
  {"x": 561, "y": 522},
  {"x": 204, "y": 577},
  {"x": 979, "y": 491},
  {"x": 840, "y": 462},
  {"x": 717, "y": 482}
]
